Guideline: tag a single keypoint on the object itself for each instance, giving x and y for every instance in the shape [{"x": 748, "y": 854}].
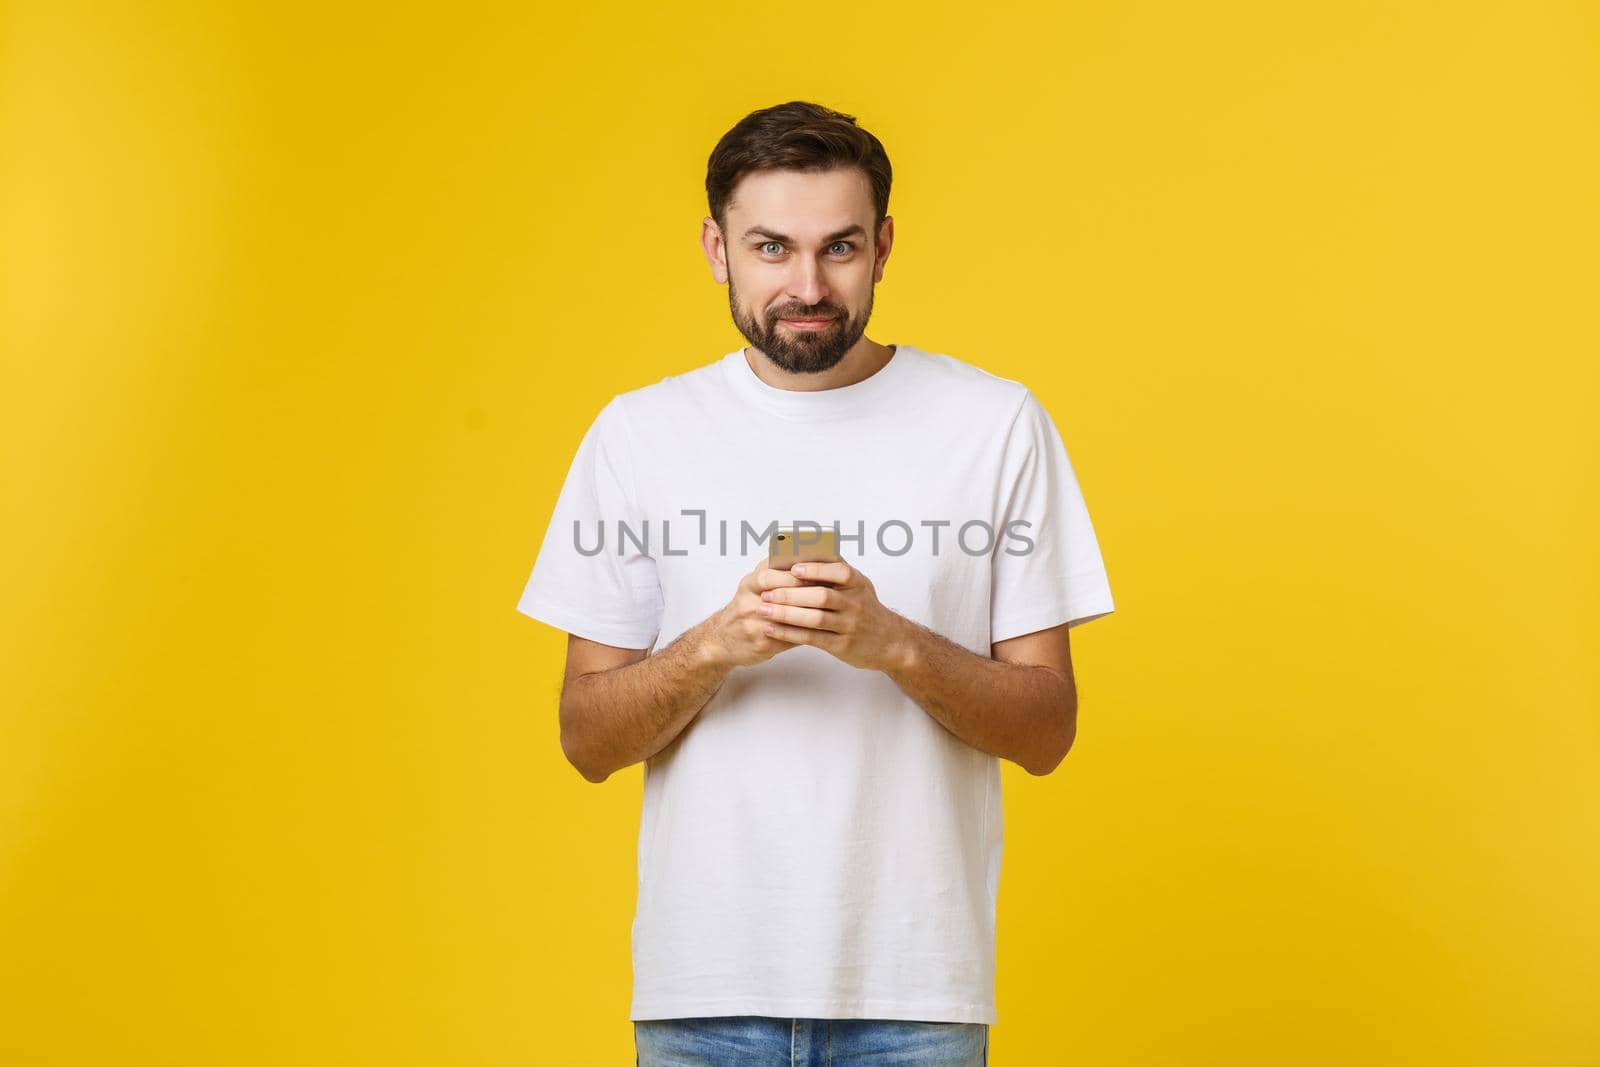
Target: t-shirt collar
[{"x": 873, "y": 391}]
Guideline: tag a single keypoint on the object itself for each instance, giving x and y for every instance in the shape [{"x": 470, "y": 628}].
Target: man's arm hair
[
  {"x": 1019, "y": 703},
  {"x": 620, "y": 706}
]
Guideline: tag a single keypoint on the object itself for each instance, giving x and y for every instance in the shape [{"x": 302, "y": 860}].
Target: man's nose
[{"x": 808, "y": 285}]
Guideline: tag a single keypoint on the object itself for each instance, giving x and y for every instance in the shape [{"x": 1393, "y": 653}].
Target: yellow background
[{"x": 305, "y": 310}]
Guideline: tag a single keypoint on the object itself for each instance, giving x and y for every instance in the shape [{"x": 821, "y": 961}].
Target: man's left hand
[{"x": 840, "y": 614}]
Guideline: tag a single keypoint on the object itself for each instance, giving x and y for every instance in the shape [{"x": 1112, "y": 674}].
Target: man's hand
[
  {"x": 840, "y": 614},
  {"x": 737, "y": 634}
]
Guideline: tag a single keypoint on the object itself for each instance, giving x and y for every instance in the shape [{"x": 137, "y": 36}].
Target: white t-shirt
[{"x": 813, "y": 844}]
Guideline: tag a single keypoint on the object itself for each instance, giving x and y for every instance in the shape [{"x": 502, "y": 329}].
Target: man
[{"x": 819, "y": 847}]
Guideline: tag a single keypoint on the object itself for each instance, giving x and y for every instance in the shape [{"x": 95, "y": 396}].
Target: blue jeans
[{"x": 763, "y": 1041}]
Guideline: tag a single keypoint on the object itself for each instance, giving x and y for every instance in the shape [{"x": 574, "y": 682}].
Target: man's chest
[{"x": 916, "y": 512}]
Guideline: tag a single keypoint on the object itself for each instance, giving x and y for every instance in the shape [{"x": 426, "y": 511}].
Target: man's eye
[{"x": 845, "y": 247}]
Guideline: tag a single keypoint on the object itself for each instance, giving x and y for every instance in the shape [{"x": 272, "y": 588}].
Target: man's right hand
[{"x": 738, "y": 631}]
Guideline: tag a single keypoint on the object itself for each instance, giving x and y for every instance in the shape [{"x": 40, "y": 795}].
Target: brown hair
[{"x": 797, "y": 135}]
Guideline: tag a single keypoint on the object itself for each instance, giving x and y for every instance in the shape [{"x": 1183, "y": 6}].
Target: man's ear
[
  {"x": 716, "y": 252},
  {"x": 884, "y": 243}
]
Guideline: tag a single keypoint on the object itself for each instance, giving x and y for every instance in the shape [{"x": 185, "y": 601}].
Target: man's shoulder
[
  {"x": 968, "y": 374},
  {"x": 980, "y": 392}
]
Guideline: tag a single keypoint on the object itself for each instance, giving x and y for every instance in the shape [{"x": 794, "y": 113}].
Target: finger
[
  {"x": 800, "y": 635},
  {"x": 806, "y": 596},
  {"x": 785, "y": 558},
  {"x": 838, "y": 573},
  {"x": 769, "y": 578},
  {"x": 810, "y": 618}
]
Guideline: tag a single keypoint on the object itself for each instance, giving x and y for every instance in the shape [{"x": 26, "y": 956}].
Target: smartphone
[{"x": 790, "y": 545}]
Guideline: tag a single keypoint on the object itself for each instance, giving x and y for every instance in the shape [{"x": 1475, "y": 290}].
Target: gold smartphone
[{"x": 790, "y": 546}]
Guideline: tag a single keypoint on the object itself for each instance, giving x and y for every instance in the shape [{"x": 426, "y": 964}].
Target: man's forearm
[
  {"x": 1026, "y": 714},
  {"x": 613, "y": 719}
]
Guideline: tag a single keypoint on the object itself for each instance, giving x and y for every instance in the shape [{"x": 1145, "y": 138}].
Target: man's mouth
[{"x": 807, "y": 324}]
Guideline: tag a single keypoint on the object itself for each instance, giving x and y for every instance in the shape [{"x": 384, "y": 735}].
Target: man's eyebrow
[{"x": 758, "y": 231}]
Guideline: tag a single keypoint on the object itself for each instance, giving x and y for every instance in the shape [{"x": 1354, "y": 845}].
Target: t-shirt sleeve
[
  {"x": 1047, "y": 568},
  {"x": 611, "y": 595}
]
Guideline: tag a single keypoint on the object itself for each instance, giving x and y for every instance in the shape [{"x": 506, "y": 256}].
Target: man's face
[{"x": 799, "y": 245}]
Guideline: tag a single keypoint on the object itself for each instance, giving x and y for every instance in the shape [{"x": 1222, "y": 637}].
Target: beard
[{"x": 801, "y": 351}]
